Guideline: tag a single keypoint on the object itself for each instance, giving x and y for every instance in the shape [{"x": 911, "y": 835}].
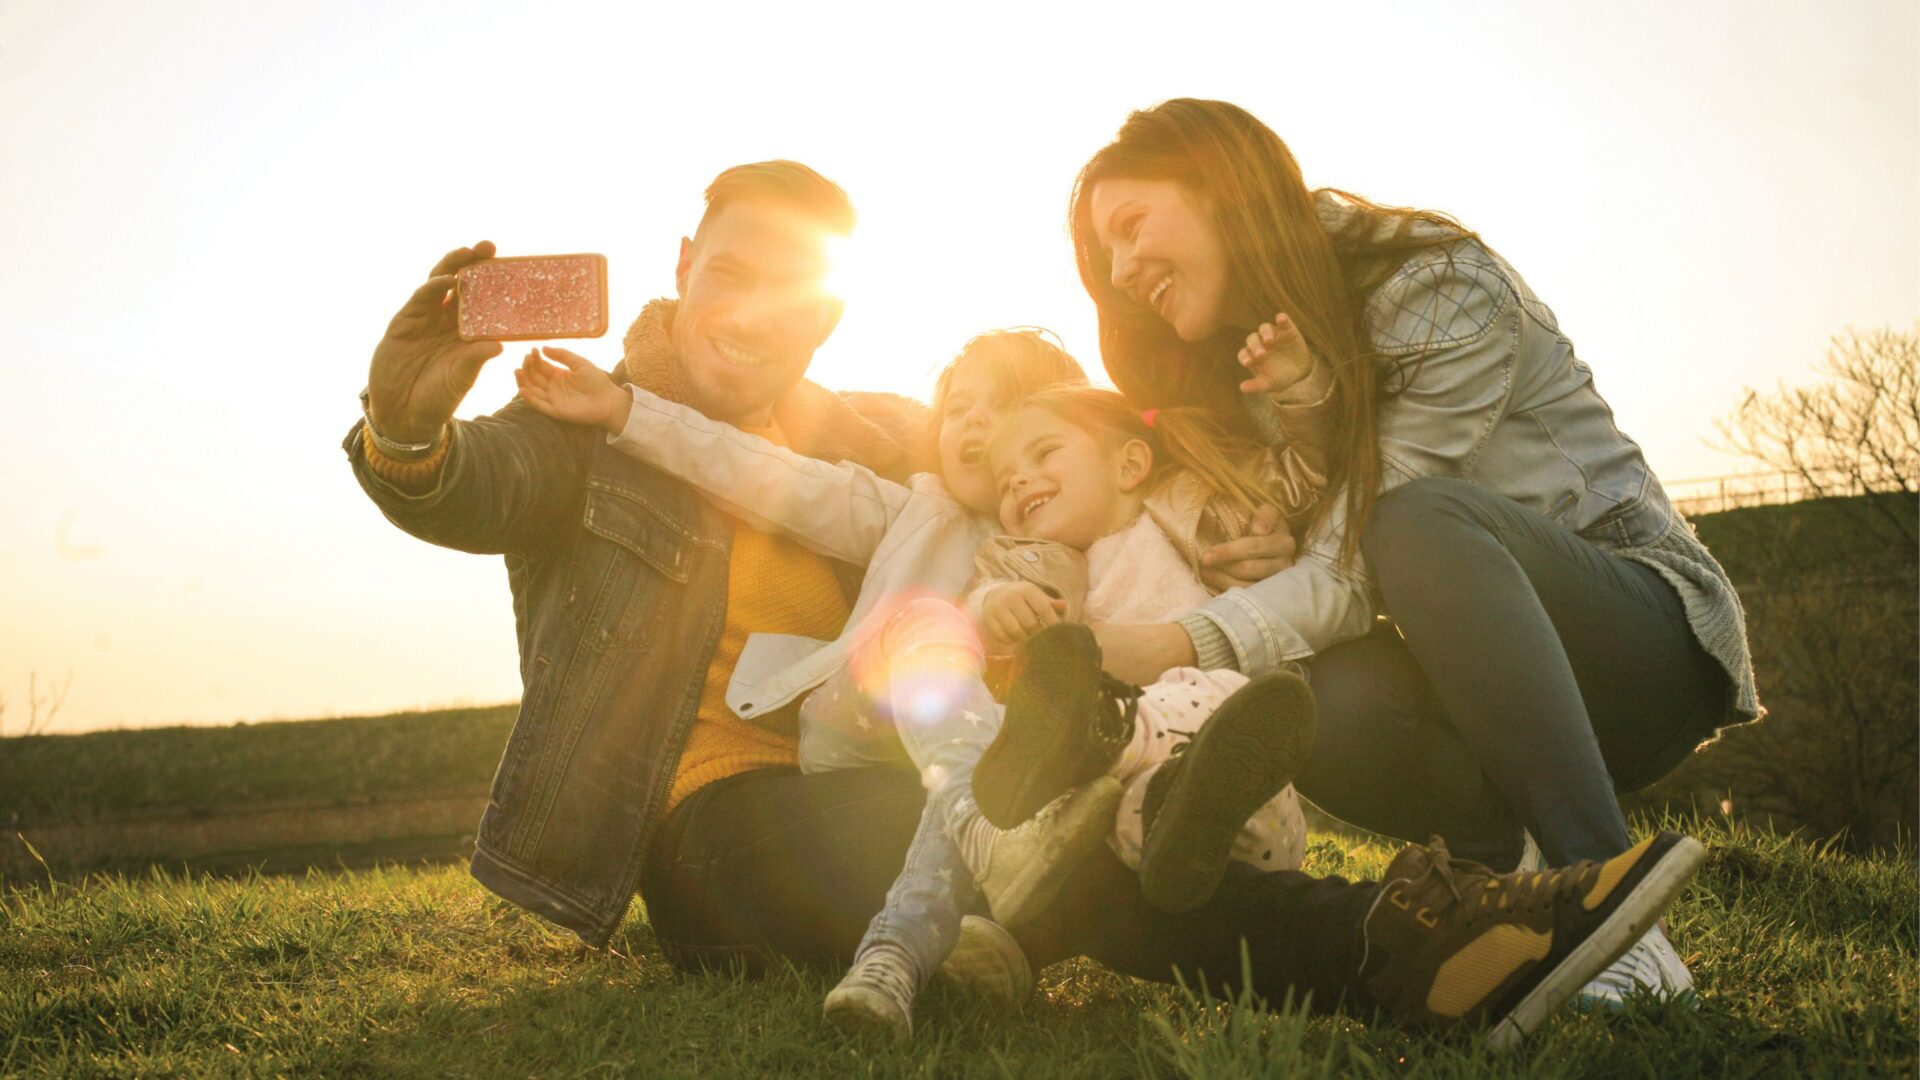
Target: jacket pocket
[
  {"x": 510, "y": 779},
  {"x": 628, "y": 554}
]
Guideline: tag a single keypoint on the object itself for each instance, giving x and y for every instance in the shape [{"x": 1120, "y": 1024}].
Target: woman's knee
[{"x": 1406, "y": 521}]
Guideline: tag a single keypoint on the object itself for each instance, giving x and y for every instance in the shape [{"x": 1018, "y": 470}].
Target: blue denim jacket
[
  {"x": 619, "y": 578},
  {"x": 1492, "y": 392}
]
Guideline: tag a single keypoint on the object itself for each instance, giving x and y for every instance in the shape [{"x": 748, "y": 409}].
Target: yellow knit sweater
[{"x": 774, "y": 586}]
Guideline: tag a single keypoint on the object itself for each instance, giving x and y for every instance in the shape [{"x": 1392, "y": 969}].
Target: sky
[{"x": 208, "y": 212}]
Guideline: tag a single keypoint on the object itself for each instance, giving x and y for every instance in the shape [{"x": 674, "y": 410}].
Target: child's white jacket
[{"x": 915, "y": 539}]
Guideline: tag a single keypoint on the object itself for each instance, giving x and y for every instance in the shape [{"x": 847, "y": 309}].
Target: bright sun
[{"x": 845, "y": 273}]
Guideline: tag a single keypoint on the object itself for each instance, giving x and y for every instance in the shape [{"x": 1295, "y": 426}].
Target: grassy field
[{"x": 1806, "y": 958}]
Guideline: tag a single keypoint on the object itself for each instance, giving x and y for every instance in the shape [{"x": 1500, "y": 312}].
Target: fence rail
[{"x": 1712, "y": 494}]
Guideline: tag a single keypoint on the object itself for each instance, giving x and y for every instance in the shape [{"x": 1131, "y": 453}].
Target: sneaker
[
  {"x": 988, "y": 963},
  {"x": 1196, "y": 802},
  {"x": 1066, "y": 723},
  {"x": 875, "y": 997},
  {"x": 1027, "y": 865},
  {"x": 1449, "y": 943},
  {"x": 1532, "y": 859},
  {"x": 1650, "y": 966}
]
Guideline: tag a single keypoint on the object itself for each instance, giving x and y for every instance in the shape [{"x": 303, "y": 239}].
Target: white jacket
[{"x": 915, "y": 539}]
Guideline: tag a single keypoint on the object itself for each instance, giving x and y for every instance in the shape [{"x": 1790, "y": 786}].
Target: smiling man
[{"x": 635, "y": 596}]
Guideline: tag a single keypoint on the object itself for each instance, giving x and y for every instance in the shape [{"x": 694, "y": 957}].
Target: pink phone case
[{"x": 532, "y": 297}]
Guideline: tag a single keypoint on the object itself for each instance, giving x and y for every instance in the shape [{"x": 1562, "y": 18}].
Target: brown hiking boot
[{"x": 1449, "y": 943}]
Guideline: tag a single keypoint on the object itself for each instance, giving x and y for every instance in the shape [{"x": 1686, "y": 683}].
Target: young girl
[
  {"x": 908, "y": 663},
  {"x": 1107, "y": 511}
]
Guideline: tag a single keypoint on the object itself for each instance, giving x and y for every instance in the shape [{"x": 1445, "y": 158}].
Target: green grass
[{"x": 1806, "y": 959}]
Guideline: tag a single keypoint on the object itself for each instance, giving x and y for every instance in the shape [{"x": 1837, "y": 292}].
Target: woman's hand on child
[
  {"x": 1276, "y": 357},
  {"x": 1266, "y": 550},
  {"x": 575, "y": 391},
  {"x": 1012, "y": 613}
]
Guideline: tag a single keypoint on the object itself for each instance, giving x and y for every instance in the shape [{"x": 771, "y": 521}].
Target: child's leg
[
  {"x": 1274, "y": 838},
  {"x": 1171, "y": 712},
  {"x": 914, "y": 931},
  {"x": 842, "y": 728}
]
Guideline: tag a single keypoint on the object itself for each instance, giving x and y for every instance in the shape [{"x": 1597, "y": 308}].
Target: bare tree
[
  {"x": 39, "y": 721},
  {"x": 1856, "y": 433},
  {"x": 1832, "y": 591}
]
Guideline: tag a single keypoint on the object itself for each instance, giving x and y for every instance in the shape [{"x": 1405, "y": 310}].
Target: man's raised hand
[{"x": 421, "y": 369}]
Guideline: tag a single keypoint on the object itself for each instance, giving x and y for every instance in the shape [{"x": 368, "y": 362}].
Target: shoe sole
[
  {"x": 1032, "y": 759},
  {"x": 1246, "y": 753},
  {"x": 865, "y": 1013},
  {"x": 1637, "y": 913},
  {"x": 1085, "y": 823},
  {"x": 993, "y": 966}
]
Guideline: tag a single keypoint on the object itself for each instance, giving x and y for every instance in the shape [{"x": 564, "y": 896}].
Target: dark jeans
[
  {"x": 1533, "y": 676},
  {"x": 773, "y": 865}
]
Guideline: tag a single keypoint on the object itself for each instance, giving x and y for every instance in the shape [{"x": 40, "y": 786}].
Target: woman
[{"x": 1558, "y": 634}]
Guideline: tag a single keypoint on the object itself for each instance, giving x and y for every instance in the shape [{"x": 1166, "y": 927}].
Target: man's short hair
[{"x": 788, "y": 181}]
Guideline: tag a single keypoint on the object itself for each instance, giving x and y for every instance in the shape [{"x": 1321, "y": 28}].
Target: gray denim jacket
[
  {"x": 619, "y": 578},
  {"x": 1493, "y": 393}
]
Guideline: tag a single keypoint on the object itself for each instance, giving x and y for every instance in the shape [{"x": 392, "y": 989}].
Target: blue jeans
[{"x": 912, "y": 695}]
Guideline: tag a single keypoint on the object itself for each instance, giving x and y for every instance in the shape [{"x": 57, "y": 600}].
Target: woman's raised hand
[
  {"x": 576, "y": 391},
  {"x": 1275, "y": 356}
]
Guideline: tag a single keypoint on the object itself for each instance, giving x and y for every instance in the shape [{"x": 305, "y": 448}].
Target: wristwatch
[{"x": 398, "y": 451}]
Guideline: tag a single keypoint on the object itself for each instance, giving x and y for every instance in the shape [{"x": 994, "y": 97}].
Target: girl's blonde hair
[
  {"x": 1179, "y": 436},
  {"x": 1019, "y": 360},
  {"x": 1282, "y": 259}
]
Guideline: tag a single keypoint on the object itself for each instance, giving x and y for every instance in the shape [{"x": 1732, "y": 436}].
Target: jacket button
[{"x": 1030, "y": 555}]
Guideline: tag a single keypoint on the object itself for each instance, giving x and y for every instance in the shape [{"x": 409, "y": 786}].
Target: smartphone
[{"x": 532, "y": 297}]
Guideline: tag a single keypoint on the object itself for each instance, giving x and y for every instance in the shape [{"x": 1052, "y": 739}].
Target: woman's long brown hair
[{"x": 1279, "y": 256}]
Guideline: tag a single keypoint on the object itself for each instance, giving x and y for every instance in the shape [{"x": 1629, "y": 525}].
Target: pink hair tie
[{"x": 1147, "y": 417}]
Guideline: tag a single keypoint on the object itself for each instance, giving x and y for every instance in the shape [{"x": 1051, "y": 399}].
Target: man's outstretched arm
[{"x": 499, "y": 483}]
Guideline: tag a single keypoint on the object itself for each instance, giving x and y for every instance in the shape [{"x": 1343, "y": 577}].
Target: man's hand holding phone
[
  {"x": 472, "y": 301},
  {"x": 576, "y": 391},
  {"x": 421, "y": 369}
]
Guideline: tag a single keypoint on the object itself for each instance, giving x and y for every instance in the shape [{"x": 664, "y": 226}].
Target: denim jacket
[
  {"x": 619, "y": 580},
  {"x": 1491, "y": 392}
]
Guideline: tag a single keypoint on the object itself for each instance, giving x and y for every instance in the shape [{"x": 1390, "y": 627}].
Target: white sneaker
[
  {"x": 1649, "y": 966},
  {"x": 1532, "y": 861},
  {"x": 1027, "y": 864},
  {"x": 988, "y": 963},
  {"x": 875, "y": 997}
]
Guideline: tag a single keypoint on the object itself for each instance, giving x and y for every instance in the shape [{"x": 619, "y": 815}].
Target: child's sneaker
[
  {"x": 1066, "y": 723},
  {"x": 1246, "y": 753},
  {"x": 988, "y": 963},
  {"x": 1448, "y": 943},
  {"x": 1650, "y": 966},
  {"x": 1022, "y": 869},
  {"x": 875, "y": 997}
]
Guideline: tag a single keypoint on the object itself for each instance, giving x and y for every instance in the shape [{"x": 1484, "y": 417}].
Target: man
[{"x": 633, "y": 598}]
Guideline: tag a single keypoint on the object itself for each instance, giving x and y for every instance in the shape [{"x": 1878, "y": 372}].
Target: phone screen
[{"x": 533, "y": 297}]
